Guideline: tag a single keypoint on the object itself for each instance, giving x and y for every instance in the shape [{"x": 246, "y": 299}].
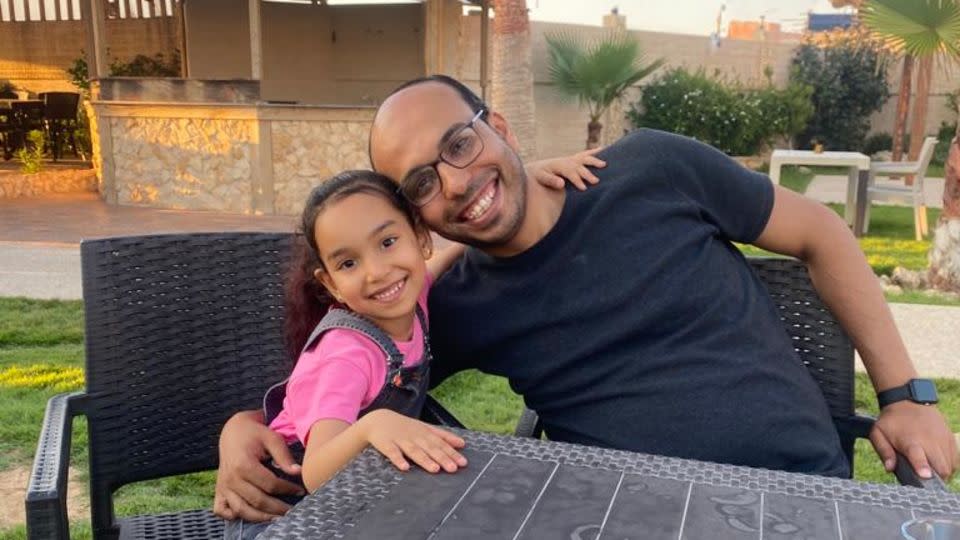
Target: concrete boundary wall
[{"x": 35, "y": 55}]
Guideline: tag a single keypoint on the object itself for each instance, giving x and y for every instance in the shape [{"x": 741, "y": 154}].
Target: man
[{"x": 623, "y": 314}]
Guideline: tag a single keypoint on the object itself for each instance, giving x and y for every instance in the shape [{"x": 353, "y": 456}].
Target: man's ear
[
  {"x": 501, "y": 126},
  {"x": 323, "y": 277}
]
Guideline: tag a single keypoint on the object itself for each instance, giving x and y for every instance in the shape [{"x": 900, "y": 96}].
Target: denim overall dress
[{"x": 404, "y": 391}]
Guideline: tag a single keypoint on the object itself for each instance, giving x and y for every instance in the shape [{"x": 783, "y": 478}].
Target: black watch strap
[{"x": 920, "y": 391}]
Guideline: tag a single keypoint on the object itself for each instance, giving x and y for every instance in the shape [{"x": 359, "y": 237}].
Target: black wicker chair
[
  {"x": 60, "y": 114},
  {"x": 823, "y": 347},
  {"x": 181, "y": 332}
]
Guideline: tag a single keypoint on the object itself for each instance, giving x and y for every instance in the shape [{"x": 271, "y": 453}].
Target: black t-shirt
[{"x": 636, "y": 324}]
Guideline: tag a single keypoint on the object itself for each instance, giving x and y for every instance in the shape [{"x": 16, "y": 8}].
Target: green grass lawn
[{"x": 48, "y": 336}]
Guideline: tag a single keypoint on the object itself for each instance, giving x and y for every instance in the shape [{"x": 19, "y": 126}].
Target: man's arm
[
  {"x": 811, "y": 232},
  {"x": 245, "y": 488}
]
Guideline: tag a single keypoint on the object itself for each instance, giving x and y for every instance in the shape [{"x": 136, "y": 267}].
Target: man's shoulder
[
  {"x": 651, "y": 143},
  {"x": 459, "y": 276}
]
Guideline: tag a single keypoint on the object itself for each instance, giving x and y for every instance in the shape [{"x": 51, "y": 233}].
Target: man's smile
[{"x": 483, "y": 202}]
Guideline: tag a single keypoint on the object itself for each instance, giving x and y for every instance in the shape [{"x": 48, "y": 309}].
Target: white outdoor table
[{"x": 857, "y": 164}]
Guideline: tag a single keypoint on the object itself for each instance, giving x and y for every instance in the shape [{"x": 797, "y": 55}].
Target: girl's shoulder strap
[
  {"x": 342, "y": 318},
  {"x": 348, "y": 320}
]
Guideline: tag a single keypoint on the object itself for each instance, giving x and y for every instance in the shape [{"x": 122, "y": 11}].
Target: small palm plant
[{"x": 596, "y": 72}]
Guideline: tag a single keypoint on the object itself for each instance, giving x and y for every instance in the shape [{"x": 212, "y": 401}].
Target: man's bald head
[{"x": 469, "y": 98}]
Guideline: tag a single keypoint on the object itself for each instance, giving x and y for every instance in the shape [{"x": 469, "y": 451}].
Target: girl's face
[{"x": 373, "y": 260}]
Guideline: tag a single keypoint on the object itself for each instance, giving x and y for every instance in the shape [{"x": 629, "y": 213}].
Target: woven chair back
[{"x": 181, "y": 332}]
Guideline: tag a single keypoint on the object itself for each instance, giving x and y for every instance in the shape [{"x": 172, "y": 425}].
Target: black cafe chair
[
  {"x": 60, "y": 119},
  {"x": 6, "y": 134},
  {"x": 25, "y": 116},
  {"x": 824, "y": 349},
  {"x": 181, "y": 331}
]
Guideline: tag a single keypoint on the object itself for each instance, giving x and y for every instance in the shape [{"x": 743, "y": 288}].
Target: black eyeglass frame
[{"x": 409, "y": 178}]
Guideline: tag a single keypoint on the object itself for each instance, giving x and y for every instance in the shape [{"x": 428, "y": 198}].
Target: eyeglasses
[{"x": 462, "y": 149}]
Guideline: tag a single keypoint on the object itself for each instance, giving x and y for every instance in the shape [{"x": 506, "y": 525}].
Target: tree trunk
[
  {"x": 511, "y": 88},
  {"x": 903, "y": 106},
  {"x": 918, "y": 120},
  {"x": 594, "y": 128},
  {"x": 945, "y": 251}
]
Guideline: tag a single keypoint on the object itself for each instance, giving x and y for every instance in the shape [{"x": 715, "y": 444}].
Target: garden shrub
[
  {"x": 944, "y": 136},
  {"x": 7, "y": 89},
  {"x": 142, "y": 65},
  {"x": 878, "y": 142},
  {"x": 849, "y": 83},
  {"x": 31, "y": 155},
  {"x": 883, "y": 142},
  {"x": 736, "y": 119}
]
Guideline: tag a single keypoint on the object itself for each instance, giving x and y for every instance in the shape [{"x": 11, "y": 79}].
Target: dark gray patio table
[{"x": 523, "y": 488}]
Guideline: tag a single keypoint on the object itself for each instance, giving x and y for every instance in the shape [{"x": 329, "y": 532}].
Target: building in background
[
  {"x": 821, "y": 22},
  {"x": 265, "y": 109},
  {"x": 761, "y": 31}
]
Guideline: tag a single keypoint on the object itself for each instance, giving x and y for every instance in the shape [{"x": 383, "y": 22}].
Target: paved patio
[{"x": 833, "y": 189}]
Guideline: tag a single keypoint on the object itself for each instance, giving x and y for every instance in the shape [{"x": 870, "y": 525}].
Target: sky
[{"x": 679, "y": 16}]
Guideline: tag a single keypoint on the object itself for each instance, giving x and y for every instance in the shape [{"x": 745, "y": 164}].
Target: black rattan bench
[{"x": 184, "y": 330}]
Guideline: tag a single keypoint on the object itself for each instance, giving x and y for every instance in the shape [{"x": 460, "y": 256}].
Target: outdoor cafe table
[
  {"x": 858, "y": 169},
  {"x": 522, "y": 488}
]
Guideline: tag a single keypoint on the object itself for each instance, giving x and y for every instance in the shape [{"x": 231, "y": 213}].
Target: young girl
[{"x": 362, "y": 371}]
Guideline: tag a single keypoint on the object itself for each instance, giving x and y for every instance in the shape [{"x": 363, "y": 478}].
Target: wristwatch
[{"x": 920, "y": 391}]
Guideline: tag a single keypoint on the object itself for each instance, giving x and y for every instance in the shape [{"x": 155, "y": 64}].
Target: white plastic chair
[{"x": 901, "y": 193}]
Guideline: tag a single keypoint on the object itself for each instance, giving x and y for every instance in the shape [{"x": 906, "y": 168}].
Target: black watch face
[{"x": 923, "y": 391}]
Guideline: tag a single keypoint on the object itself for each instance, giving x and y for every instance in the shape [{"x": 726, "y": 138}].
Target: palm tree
[
  {"x": 928, "y": 30},
  {"x": 903, "y": 94},
  {"x": 921, "y": 30},
  {"x": 511, "y": 85},
  {"x": 596, "y": 73},
  {"x": 903, "y": 105}
]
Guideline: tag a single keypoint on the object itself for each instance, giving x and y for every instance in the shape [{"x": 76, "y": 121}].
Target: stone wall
[
  {"x": 244, "y": 158},
  {"x": 15, "y": 184},
  {"x": 185, "y": 163},
  {"x": 306, "y": 153}
]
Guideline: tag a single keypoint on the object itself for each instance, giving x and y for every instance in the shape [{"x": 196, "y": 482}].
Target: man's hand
[
  {"x": 920, "y": 433},
  {"x": 244, "y": 484}
]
